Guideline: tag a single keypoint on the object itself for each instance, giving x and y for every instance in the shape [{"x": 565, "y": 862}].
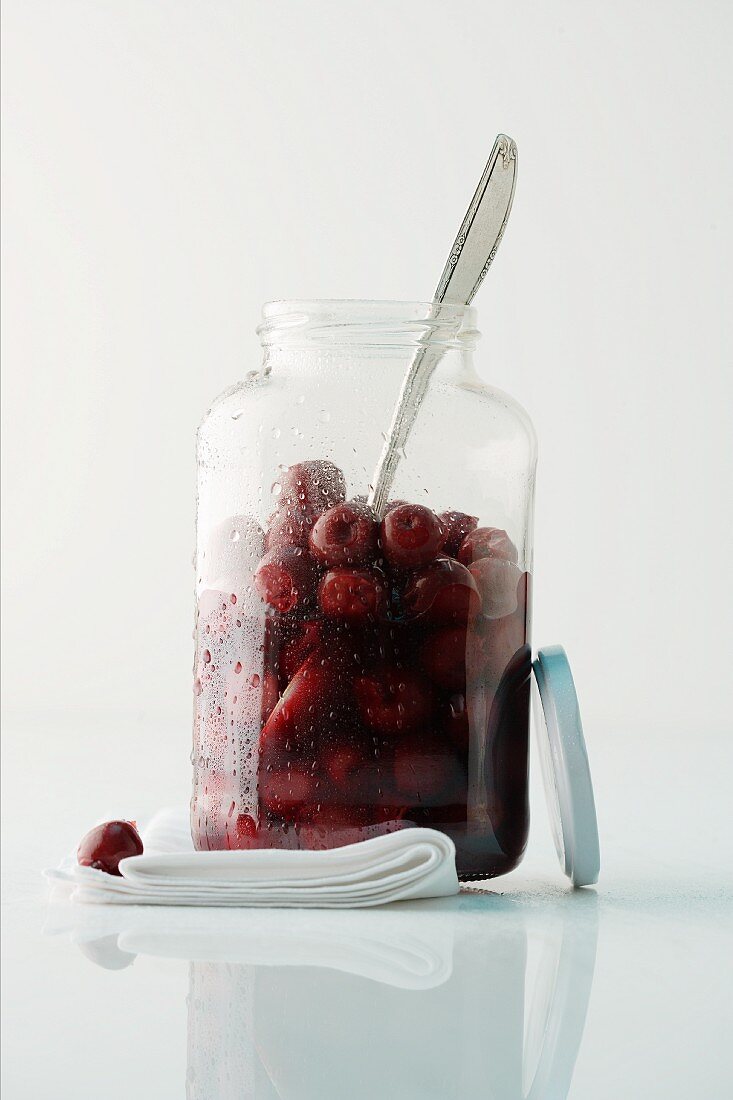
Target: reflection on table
[{"x": 474, "y": 996}]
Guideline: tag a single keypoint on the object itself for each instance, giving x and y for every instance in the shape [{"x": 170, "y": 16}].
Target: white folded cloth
[{"x": 409, "y": 863}]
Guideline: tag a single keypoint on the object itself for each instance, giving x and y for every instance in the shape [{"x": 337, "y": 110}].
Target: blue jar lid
[{"x": 565, "y": 768}]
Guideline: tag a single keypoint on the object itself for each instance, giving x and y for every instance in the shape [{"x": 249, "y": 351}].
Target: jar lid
[{"x": 565, "y": 768}]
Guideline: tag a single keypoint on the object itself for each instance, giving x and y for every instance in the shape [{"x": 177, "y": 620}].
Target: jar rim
[{"x": 370, "y": 322}]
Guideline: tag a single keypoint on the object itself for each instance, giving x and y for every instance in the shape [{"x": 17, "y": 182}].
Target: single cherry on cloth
[
  {"x": 443, "y": 591},
  {"x": 456, "y": 526},
  {"x": 411, "y": 535},
  {"x": 345, "y": 535},
  {"x": 104, "y": 846},
  {"x": 487, "y": 542},
  {"x": 312, "y": 486},
  {"x": 443, "y": 657},
  {"x": 393, "y": 700},
  {"x": 353, "y": 594},
  {"x": 285, "y": 578},
  {"x": 497, "y": 581}
]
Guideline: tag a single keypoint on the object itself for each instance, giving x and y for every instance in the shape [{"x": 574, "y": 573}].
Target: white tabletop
[{"x": 526, "y": 989}]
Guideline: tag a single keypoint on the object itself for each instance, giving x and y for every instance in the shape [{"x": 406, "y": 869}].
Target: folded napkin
[{"x": 409, "y": 863}]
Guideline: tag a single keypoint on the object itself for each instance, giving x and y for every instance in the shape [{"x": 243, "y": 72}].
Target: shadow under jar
[{"x": 353, "y": 677}]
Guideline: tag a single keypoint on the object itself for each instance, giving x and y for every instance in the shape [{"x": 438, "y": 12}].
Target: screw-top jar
[{"x": 355, "y": 676}]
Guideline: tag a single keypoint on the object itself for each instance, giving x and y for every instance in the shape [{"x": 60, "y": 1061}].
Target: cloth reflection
[{"x": 474, "y": 996}]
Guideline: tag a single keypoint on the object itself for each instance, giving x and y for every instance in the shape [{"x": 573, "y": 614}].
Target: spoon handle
[
  {"x": 470, "y": 258},
  {"x": 483, "y": 227}
]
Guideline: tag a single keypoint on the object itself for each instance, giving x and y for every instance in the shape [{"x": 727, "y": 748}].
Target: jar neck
[{"x": 364, "y": 326}]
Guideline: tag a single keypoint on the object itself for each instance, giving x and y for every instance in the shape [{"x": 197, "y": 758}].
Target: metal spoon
[{"x": 470, "y": 258}]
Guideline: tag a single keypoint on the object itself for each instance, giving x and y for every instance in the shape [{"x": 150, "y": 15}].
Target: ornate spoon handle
[{"x": 470, "y": 258}]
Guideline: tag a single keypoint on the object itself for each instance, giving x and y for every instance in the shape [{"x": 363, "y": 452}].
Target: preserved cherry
[{"x": 369, "y": 677}]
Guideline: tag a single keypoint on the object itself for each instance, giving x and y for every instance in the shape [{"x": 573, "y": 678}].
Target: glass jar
[{"x": 351, "y": 676}]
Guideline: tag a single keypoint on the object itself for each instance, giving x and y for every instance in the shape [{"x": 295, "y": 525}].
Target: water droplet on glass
[{"x": 276, "y": 433}]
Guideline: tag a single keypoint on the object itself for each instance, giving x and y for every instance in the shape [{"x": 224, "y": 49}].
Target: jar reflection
[{"x": 445, "y": 1006}]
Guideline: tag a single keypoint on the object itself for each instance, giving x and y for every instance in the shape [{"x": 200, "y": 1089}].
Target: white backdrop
[{"x": 169, "y": 166}]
